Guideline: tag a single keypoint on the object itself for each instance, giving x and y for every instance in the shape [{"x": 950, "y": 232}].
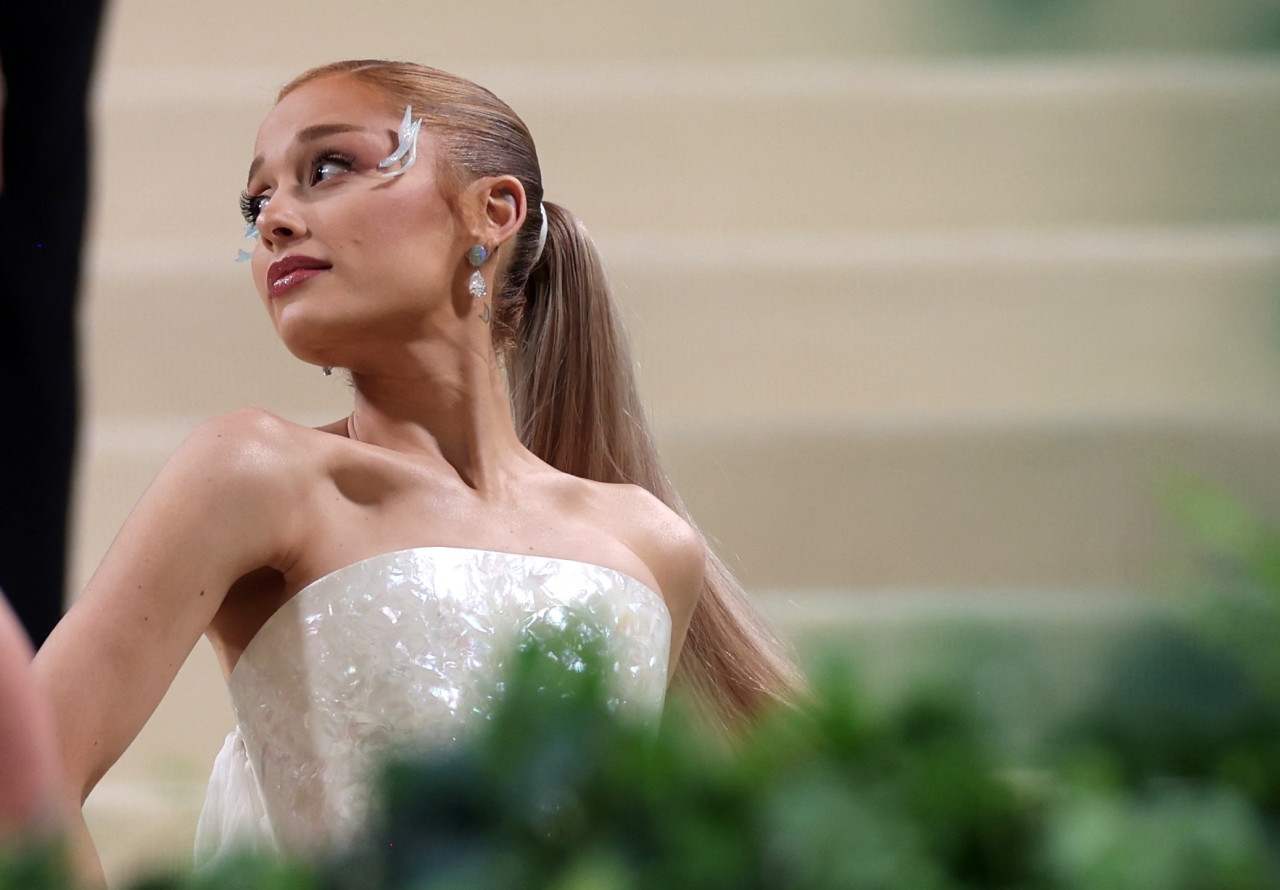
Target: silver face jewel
[
  {"x": 406, "y": 152},
  {"x": 251, "y": 229}
]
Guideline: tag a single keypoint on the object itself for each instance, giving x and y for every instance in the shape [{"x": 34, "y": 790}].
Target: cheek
[
  {"x": 258, "y": 269},
  {"x": 405, "y": 235}
]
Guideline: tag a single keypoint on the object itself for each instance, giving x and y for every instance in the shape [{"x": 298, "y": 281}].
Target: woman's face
[{"x": 347, "y": 258}]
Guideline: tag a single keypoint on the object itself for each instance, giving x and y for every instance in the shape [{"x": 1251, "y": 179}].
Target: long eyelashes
[{"x": 251, "y": 205}]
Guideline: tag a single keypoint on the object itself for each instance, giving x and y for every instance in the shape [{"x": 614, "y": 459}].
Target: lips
[{"x": 285, "y": 274}]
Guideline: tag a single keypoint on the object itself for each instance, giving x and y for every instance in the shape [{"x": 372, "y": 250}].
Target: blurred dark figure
[{"x": 46, "y": 56}]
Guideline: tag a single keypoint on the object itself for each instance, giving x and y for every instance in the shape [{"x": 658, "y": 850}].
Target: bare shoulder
[
  {"x": 669, "y": 546},
  {"x": 660, "y": 530},
  {"x": 248, "y": 449},
  {"x": 248, "y": 432},
  {"x": 240, "y": 474}
]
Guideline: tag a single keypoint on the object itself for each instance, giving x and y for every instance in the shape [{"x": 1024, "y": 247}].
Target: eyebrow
[{"x": 308, "y": 134}]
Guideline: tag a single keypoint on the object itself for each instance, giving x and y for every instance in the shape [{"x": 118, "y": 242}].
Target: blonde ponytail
[{"x": 577, "y": 407}]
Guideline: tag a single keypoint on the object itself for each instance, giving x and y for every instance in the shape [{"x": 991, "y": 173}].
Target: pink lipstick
[{"x": 287, "y": 273}]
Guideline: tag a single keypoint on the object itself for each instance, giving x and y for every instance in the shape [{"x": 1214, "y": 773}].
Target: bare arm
[{"x": 219, "y": 509}]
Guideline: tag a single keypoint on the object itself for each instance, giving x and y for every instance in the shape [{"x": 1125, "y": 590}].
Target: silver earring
[
  {"x": 327, "y": 371},
  {"x": 477, "y": 285}
]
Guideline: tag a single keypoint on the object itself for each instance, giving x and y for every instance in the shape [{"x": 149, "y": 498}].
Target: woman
[{"x": 495, "y": 467}]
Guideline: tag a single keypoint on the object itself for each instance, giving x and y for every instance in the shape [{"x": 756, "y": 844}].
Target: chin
[{"x": 306, "y": 337}]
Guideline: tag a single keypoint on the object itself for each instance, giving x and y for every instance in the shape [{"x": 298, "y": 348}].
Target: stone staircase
[{"x": 929, "y": 297}]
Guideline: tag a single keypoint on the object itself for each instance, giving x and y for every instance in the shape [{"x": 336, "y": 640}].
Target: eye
[
  {"x": 329, "y": 165},
  {"x": 251, "y": 206}
]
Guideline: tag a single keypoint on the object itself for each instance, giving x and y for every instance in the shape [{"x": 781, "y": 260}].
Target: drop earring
[{"x": 476, "y": 257}]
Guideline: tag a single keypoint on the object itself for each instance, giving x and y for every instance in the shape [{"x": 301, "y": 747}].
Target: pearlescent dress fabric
[{"x": 403, "y": 649}]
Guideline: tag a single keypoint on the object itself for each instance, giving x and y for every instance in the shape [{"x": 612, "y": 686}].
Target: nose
[{"x": 279, "y": 221}]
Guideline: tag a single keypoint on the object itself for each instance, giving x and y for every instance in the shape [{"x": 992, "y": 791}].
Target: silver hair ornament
[
  {"x": 407, "y": 151},
  {"x": 542, "y": 234}
]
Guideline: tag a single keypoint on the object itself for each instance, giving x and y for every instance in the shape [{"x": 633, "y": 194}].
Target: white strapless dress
[{"x": 406, "y": 648}]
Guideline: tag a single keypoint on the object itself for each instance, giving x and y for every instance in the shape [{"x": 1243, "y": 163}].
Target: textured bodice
[{"x": 406, "y": 649}]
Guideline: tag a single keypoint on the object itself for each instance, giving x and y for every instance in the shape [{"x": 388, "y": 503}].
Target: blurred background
[{"x": 930, "y": 297}]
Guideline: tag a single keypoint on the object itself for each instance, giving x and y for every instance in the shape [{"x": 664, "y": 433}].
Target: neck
[{"x": 447, "y": 405}]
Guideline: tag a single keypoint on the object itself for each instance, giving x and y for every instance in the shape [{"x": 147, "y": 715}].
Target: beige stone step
[
  {"x": 240, "y": 32},
  {"x": 1069, "y": 503},
  {"x": 772, "y": 146},
  {"x": 979, "y": 326},
  {"x": 988, "y": 324}
]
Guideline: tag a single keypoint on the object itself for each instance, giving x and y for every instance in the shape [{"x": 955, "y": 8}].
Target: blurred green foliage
[
  {"x": 1165, "y": 774},
  {"x": 37, "y": 864}
]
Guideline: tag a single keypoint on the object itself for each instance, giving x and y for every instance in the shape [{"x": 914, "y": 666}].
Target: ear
[{"x": 501, "y": 205}]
